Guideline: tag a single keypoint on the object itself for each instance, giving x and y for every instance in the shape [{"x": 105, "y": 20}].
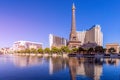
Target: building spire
[
  {"x": 73, "y": 25},
  {"x": 73, "y": 6}
]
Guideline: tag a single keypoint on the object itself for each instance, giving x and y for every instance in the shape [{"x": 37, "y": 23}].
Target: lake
[{"x": 58, "y": 68}]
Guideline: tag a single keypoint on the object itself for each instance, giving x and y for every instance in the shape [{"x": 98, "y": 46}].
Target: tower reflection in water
[
  {"x": 79, "y": 68},
  {"x": 88, "y": 68}
]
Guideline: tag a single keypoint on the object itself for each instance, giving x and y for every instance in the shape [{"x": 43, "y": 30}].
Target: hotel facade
[
  {"x": 22, "y": 45},
  {"x": 56, "y": 41},
  {"x": 116, "y": 46},
  {"x": 93, "y": 35}
]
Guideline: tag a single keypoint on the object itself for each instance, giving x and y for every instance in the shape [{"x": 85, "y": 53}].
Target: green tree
[
  {"x": 17, "y": 51},
  {"x": 90, "y": 50},
  {"x": 74, "y": 50},
  {"x": 40, "y": 50},
  {"x": 27, "y": 50},
  {"x": 22, "y": 51},
  {"x": 54, "y": 50},
  {"x": 111, "y": 50},
  {"x": 32, "y": 50},
  {"x": 47, "y": 50},
  {"x": 59, "y": 51},
  {"x": 104, "y": 50},
  {"x": 80, "y": 49},
  {"x": 99, "y": 49},
  {"x": 65, "y": 49}
]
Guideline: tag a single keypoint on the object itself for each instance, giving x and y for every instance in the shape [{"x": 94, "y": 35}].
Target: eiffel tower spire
[{"x": 73, "y": 34}]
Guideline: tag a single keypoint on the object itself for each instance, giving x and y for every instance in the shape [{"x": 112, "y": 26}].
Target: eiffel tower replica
[{"x": 73, "y": 39}]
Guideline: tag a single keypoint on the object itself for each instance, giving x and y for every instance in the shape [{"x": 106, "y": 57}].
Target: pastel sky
[{"x": 34, "y": 20}]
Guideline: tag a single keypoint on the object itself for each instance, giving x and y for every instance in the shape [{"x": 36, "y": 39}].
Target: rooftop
[{"x": 28, "y": 42}]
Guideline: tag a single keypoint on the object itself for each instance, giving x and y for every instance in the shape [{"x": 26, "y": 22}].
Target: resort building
[
  {"x": 5, "y": 50},
  {"x": 113, "y": 45},
  {"x": 22, "y": 45},
  {"x": 56, "y": 41},
  {"x": 93, "y": 35}
]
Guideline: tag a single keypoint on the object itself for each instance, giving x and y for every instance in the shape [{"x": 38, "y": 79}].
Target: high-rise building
[
  {"x": 22, "y": 45},
  {"x": 56, "y": 41},
  {"x": 73, "y": 38},
  {"x": 93, "y": 35},
  {"x": 81, "y": 36}
]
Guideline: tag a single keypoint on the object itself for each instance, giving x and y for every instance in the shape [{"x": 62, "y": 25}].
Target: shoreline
[
  {"x": 40, "y": 55},
  {"x": 68, "y": 55}
]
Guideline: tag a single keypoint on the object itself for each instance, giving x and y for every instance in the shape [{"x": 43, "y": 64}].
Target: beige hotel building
[{"x": 93, "y": 35}]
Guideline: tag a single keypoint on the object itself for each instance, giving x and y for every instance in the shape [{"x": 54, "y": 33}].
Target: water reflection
[
  {"x": 57, "y": 64},
  {"x": 24, "y": 61},
  {"x": 69, "y": 68},
  {"x": 88, "y": 68}
]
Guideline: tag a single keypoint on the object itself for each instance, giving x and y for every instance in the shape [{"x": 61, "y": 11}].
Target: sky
[{"x": 34, "y": 20}]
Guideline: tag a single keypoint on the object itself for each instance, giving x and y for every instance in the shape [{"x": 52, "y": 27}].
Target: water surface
[{"x": 58, "y": 68}]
